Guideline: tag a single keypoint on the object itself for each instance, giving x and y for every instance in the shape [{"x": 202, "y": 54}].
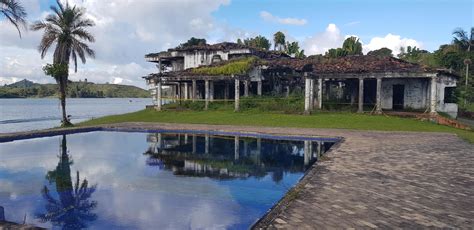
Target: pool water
[{"x": 139, "y": 180}]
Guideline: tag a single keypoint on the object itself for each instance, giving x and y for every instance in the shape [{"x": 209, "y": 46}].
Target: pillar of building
[
  {"x": 378, "y": 104},
  {"x": 320, "y": 93},
  {"x": 211, "y": 91},
  {"x": 246, "y": 88},
  {"x": 194, "y": 90},
  {"x": 307, "y": 153},
  {"x": 259, "y": 87},
  {"x": 159, "y": 141},
  {"x": 158, "y": 96},
  {"x": 361, "y": 96},
  {"x": 433, "y": 96},
  {"x": 194, "y": 143},
  {"x": 287, "y": 91},
  {"x": 178, "y": 89},
  {"x": 236, "y": 148},
  {"x": 237, "y": 95},
  {"x": 307, "y": 96},
  {"x": 186, "y": 91},
  {"x": 311, "y": 94},
  {"x": 206, "y": 94},
  {"x": 206, "y": 144}
]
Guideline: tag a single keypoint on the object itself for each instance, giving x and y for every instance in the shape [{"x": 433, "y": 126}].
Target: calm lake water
[
  {"x": 31, "y": 114},
  {"x": 130, "y": 180}
]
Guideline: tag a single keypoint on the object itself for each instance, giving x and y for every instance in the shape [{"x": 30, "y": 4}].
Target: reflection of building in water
[{"x": 227, "y": 157}]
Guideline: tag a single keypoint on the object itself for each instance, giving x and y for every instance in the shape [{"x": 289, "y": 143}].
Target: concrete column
[
  {"x": 194, "y": 143},
  {"x": 378, "y": 105},
  {"x": 159, "y": 141},
  {"x": 259, "y": 87},
  {"x": 194, "y": 93},
  {"x": 311, "y": 95},
  {"x": 237, "y": 95},
  {"x": 433, "y": 96},
  {"x": 211, "y": 91},
  {"x": 186, "y": 91},
  {"x": 206, "y": 94},
  {"x": 287, "y": 91},
  {"x": 185, "y": 138},
  {"x": 307, "y": 152},
  {"x": 246, "y": 88},
  {"x": 307, "y": 96},
  {"x": 236, "y": 148},
  {"x": 320, "y": 93},
  {"x": 178, "y": 89},
  {"x": 361, "y": 96},
  {"x": 158, "y": 96},
  {"x": 206, "y": 144}
]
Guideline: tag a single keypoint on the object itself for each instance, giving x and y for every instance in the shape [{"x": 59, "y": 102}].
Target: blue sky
[
  {"x": 428, "y": 21},
  {"x": 127, "y": 30}
]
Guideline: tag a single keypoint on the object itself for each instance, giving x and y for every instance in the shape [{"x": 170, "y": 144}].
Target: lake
[
  {"x": 155, "y": 180},
  {"x": 32, "y": 114}
]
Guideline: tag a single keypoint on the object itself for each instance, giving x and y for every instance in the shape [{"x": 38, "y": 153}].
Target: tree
[
  {"x": 293, "y": 49},
  {"x": 65, "y": 27},
  {"x": 352, "y": 46},
  {"x": 14, "y": 12},
  {"x": 335, "y": 53},
  {"x": 260, "y": 42},
  {"x": 240, "y": 42},
  {"x": 464, "y": 42},
  {"x": 279, "y": 40},
  {"x": 193, "y": 42},
  {"x": 382, "y": 52},
  {"x": 73, "y": 208}
]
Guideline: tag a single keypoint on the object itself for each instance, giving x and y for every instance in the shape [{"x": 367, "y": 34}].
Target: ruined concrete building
[{"x": 208, "y": 72}]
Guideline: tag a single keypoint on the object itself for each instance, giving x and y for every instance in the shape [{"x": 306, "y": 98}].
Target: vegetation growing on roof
[{"x": 238, "y": 66}]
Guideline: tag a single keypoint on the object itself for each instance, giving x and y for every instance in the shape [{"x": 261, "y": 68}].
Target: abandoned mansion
[{"x": 369, "y": 83}]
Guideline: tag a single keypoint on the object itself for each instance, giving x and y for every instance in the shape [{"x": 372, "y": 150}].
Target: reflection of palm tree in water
[{"x": 73, "y": 209}]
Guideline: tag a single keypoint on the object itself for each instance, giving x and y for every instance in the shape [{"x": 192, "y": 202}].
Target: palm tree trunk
[{"x": 62, "y": 98}]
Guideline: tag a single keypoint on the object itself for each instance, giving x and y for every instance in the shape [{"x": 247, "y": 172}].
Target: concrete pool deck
[{"x": 370, "y": 179}]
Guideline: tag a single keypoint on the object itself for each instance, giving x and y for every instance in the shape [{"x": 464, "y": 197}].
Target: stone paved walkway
[{"x": 374, "y": 180}]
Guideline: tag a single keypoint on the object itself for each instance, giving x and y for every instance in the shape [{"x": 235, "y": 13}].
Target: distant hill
[{"x": 26, "y": 89}]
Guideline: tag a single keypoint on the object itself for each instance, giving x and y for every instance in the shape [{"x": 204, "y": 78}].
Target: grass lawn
[{"x": 256, "y": 118}]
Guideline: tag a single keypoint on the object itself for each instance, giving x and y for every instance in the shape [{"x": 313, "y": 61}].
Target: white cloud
[
  {"x": 333, "y": 38},
  {"x": 125, "y": 31},
  {"x": 323, "y": 41},
  {"x": 286, "y": 21},
  {"x": 391, "y": 41},
  {"x": 352, "y": 23}
]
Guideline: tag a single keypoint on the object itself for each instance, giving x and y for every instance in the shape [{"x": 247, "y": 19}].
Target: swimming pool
[{"x": 150, "y": 180}]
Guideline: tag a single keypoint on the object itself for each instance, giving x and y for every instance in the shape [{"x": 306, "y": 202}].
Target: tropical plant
[
  {"x": 14, "y": 12},
  {"x": 382, "y": 52},
  {"x": 463, "y": 40},
  {"x": 293, "y": 49},
  {"x": 193, "y": 42},
  {"x": 352, "y": 46},
  {"x": 279, "y": 41},
  {"x": 73, "y": 208},
  {"x": 260, "y": 42},
  {"x": 65, "y": 27}
]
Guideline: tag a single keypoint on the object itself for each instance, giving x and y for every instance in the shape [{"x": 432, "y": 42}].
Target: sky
[{"x": 126, "y": 30}]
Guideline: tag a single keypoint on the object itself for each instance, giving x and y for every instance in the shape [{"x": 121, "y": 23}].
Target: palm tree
[
  {"x": 72, "y": 209},
  {"x": 464, "y": 43},
  {"x": 279, "y": 40},
  {"x": 65, "y": 27},
  {"x": 352, "y": 46},
  {"x": 14, "y": 12}
]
